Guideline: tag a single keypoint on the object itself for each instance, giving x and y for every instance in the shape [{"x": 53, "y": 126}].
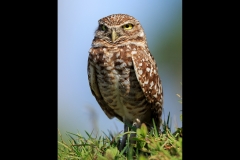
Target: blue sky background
[{"x": 77, "y": 20}]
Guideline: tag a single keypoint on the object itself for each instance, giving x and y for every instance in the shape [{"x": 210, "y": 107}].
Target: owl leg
[{"x": 123, "y": 142}]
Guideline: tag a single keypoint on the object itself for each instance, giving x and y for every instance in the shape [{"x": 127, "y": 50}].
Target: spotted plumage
[{"x": 123, "y": 75}]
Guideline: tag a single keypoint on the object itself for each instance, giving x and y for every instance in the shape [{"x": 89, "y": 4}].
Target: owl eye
[
  {"x": 127, "y": 26},
  {"x": 103, "y": 27}
]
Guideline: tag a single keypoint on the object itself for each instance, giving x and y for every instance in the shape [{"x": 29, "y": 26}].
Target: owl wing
[
  {"x": 96, "y": 93},
  {"x": 147, "y": 74}
]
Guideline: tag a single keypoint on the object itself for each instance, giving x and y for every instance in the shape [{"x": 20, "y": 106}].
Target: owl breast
[{"x": 117, "y": 82}]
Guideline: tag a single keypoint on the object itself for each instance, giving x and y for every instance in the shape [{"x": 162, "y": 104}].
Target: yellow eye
[
  {"x": 104, "y": 28},
  {"x": 127, "y": 26}
]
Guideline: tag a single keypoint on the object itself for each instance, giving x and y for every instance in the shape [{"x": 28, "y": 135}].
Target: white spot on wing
[
  {"x": 151, "y": 84},
  {"x": 151, "y": 72},
  {"x": 145, "y": 82},
  {"x": 140, "y": 72},
  {"x": 134, "y": 52},
  {"x": 155, "y": 95}
]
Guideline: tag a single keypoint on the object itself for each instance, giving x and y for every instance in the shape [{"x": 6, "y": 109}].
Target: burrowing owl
[{"x": 123, "y": 75}]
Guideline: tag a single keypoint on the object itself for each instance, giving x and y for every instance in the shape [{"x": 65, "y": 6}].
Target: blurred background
[{"x": 78, "y": 111}]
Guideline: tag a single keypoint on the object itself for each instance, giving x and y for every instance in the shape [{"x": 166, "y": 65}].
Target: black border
[{"x": 29, "y": 113}]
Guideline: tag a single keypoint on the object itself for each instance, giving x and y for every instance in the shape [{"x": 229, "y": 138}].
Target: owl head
[{"x": 118, "y": 29}]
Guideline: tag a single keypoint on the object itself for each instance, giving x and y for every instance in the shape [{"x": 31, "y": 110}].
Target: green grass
[{"x": 148, "y": 146}]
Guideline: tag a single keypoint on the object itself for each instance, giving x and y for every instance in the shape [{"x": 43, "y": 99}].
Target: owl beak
[{"x": 114, "y": 35}]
